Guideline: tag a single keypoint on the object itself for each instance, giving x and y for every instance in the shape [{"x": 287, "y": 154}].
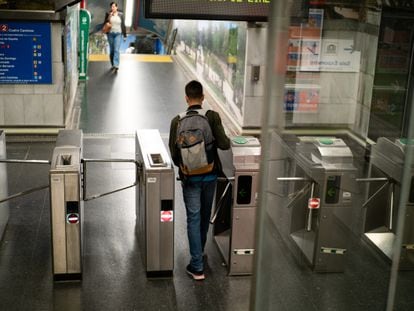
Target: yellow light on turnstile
[{"x": 128, "y": 12}]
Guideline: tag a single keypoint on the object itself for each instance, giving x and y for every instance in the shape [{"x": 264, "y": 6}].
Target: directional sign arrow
[
  {"x": 331, "y": 192},
  {"x": 242, "y": 193}
]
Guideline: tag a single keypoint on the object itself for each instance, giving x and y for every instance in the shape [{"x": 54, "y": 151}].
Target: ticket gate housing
[
  {"x": 66, "y": 206},
  {"x": 236, "y": 202},
  {"x": 4, "y": 207},
  {"x": 155, "y": 203},
  {"x": 323, "y": 176},
  {"x": 381, "y": 209}
]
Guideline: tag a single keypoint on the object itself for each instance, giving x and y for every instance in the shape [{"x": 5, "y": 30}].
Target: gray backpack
[{"x": 195, "y": 142}]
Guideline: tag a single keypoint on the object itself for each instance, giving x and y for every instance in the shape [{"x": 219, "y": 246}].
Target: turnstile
[
  {"x": 323, "y": 177},
  {"x": 155, "y": 203},
  {"x": 66, "y": 206},
  {"x": 4, "y": 207},
  {"x": 381, "y": 208},
  {"x": 234, "y": 217}
]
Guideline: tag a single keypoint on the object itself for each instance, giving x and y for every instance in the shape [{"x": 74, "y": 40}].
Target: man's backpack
[{"x": 195, "y": 142}]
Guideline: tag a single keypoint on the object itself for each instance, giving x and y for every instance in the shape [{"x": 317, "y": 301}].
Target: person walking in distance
[
  {"x": 118, "y": 30},
  {"x": 194, "y": 138}
]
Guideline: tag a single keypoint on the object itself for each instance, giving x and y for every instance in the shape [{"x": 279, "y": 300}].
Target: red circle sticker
[
  {"x": 167, "y": 216},
  {"x": 72, "y": 218},
  {"x": 314, "y": 203}
]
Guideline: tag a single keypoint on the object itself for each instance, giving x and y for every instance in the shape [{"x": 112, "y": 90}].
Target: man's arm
[
  {"x": 171, "y": 141},
  {"x": 222, "y": 141}
]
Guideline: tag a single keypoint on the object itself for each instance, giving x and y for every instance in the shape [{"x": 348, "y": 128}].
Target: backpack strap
[{"x": 201, "y": 111}]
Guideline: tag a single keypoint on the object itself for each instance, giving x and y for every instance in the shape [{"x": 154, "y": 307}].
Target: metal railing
[
  {"x": 19, "y": 194},
  {"x": 138, "y": 166}
]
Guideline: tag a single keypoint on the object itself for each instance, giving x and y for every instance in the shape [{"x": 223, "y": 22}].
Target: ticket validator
[
  {"x": 155, "y": 203},
  {"x": 234, "y": 216},
  {"x": 323, "y": 179},
  {"x": 381, "y": 208},
  {"x": 66, "y": 206}
]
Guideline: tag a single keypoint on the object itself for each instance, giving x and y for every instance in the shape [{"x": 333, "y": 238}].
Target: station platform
[{"x": 146, "y": 92}]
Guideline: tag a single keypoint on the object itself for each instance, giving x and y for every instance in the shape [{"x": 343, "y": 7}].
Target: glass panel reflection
[{"x": 336, "y": 226}]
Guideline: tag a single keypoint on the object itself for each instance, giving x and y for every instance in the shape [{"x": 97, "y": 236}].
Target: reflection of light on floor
[{"x": 136, "y": 57}]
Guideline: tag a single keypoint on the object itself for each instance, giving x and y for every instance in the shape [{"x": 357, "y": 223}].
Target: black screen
[
  {"x": 332, "y": 189},
  {"x": 240, "y": 10},
  {"x": 244, "y": 189}
]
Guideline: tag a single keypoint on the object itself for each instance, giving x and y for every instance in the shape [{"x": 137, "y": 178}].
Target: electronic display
[
  {"x": 25, "y": 53},
  {"x": 332, "y": 189},
  {"x": 244, "y": 189},
  {"x": 240, "y": 10}
]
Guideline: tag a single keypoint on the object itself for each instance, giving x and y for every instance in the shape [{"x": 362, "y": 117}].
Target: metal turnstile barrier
[
  {"x": 155, "y": 203},
  {"x": 320, "y": 212},
  {"x": 381, "y": 207},
  {"x": 66, "y": 206},
  {"x": 4, "y": 207},
  {"x": 67, "y": 183},
  {"x": 234, "y": 216}
]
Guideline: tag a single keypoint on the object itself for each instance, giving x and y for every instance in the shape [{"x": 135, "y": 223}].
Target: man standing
[{"x": 199, "y": 184}]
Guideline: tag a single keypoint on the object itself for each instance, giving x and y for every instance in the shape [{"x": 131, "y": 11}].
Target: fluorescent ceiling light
[{"x": 128, "y": 12}]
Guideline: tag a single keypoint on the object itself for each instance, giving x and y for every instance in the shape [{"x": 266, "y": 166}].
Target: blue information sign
[{"x": 25, "y": 53}]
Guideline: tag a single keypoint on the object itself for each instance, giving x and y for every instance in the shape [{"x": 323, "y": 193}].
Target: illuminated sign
[
  {"x": 240, "y": 10},
  {"x": 25, "y": 53}
]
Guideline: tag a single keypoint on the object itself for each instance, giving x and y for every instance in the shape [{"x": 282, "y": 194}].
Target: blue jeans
[
  {"x": 198, "y": 199},
  {"x": 114, "y": 40}
]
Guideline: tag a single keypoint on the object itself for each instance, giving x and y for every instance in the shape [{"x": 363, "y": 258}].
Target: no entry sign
[
  {"x": 314, "y": 203},
  {"x": 167, "y": 216}
]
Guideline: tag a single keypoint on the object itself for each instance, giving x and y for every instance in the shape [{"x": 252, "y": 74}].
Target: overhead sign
[
  {"x": 240, "y": 10},
  {"x": 25, "y": 53}
]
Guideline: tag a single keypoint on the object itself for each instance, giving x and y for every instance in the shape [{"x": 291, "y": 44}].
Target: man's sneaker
[{"x": 196, "y": 275}]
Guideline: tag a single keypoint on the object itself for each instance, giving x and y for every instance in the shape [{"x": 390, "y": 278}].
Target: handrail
[{"x": 25, "y": 161}]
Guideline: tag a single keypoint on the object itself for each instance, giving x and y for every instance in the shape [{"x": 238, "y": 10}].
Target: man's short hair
[{"x": 194, "y": 90}]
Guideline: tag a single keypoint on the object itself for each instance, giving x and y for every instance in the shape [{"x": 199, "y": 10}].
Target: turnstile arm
[
  {"x": 309, "y": 216},
  {"x": 220, "y": 202},
  {"x": 22, "y": 193},
  {"x": 388, "y": 181},
  {"x": 25, "y": 161},
  {"x": 390, "y": 226},
  {"x": 16, "y": 195},
  {"x": 309, "y": 221},
  {"x": 292, "y": 179},
  {"x": 138, "y": 165}
]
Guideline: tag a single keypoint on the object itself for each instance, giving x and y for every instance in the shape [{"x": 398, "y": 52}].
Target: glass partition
[{"x": 336, "y": 200}]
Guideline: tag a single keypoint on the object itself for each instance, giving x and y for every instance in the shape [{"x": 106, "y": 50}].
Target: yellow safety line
[
  {"x": 135, "y": 57},
  {"x": 32, "y": 131}
]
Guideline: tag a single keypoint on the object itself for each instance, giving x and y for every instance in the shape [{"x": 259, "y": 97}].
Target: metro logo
[{"x": 4, "y": 27}]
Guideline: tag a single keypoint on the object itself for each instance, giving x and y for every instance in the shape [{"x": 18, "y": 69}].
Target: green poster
[{"x": 84, "y": 20}]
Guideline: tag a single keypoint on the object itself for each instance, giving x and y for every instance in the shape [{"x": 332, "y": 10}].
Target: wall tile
[
  {"x": 1, "y": 110},
  {"x": 13, "y": 110},
  {"x": 33, "y": 110},
  {"x": 53, "y": 110}
]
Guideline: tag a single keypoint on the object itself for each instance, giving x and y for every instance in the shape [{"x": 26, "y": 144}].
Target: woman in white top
[{"x": 118, "y": 30}]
